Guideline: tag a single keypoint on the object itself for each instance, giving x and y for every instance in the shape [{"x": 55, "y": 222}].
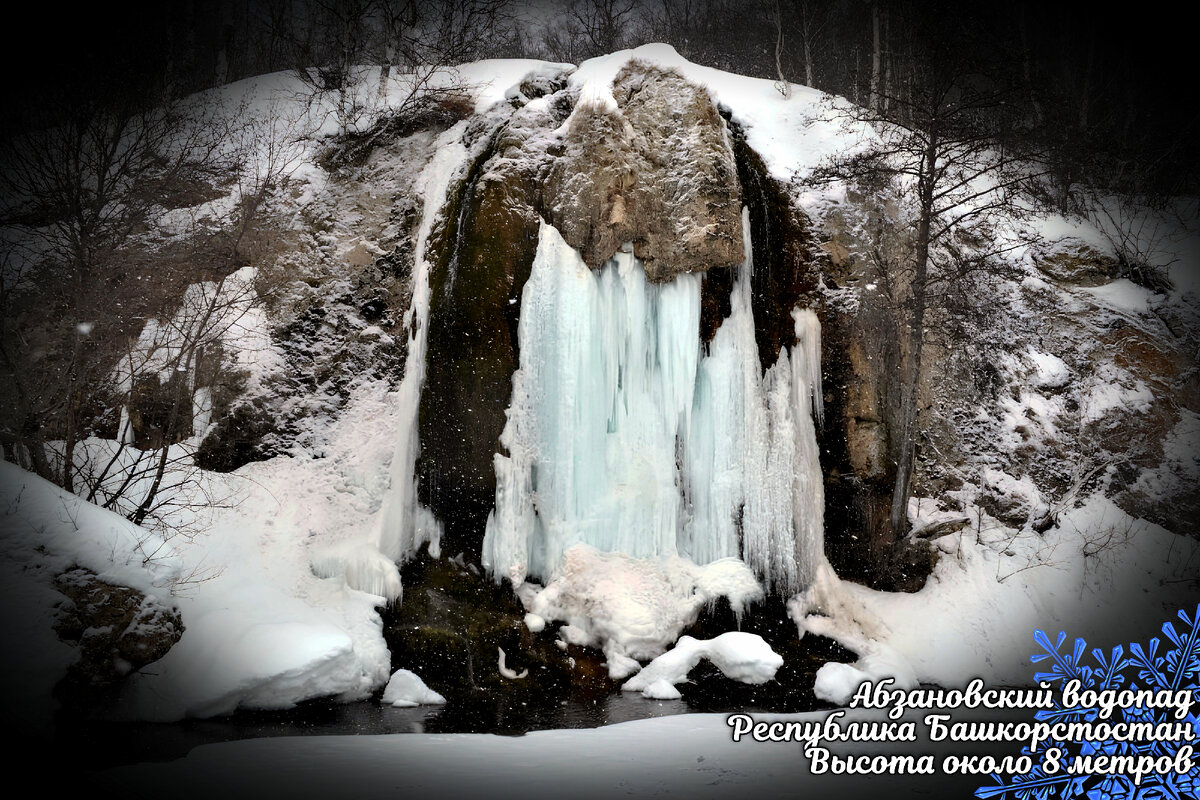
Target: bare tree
[
  {"x": 591, "y": 28},
  {"x": 781, "y": 82},
  {"x": 266, "y": 148},
  {"x": 81, "y": 188},
  {"x": 330, "y": 45},
  {"x": 88, "y": 270},
  {"x": 941, "y": 145},
  {"x": 415, "y": 47}
]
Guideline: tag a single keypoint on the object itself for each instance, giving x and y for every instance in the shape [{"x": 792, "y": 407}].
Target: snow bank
[
  {"x": 744, "y": 657},
  {"x": 635, "y": 608},
  {"x": 46, "y": 532},
  {"x": 406, "y": 690},
  {"x": 1126, "y": 296},
  {"x": 831, "y": 608},
  {"x": 1099, "y": 574},
  {"x": 39, "y": 515},
  {"x": 263, "y": 628}
]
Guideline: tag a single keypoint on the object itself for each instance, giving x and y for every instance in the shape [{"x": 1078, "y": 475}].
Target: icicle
[
  {"x": 722, "y": 455},
  {"x": 808, "y": 341},
  {"x": 808, "y": 490},
  {"x": 396, "y": 534}
]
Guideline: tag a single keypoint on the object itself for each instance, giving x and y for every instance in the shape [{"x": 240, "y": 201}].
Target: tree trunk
[
  {"x": 885, "y": 78},
  {"x": 916, "y": 340},
  {"x": 873, "y": 102},
  {"x": 1027, "y": 72},
  {"x": 806, "y": 41},
  {"x": 385, "y": 72},
  {"x": 29, "y": 433},
  {"x": 784, "y": 87},
  {"x": 1085, "y": 92},
  {"x": 69, "y": 437}
]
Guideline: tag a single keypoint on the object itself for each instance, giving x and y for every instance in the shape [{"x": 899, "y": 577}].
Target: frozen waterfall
[{"x": 623, "y": 435}]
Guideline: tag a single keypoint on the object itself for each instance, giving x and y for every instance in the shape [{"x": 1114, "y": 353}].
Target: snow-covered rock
[
  {"x": 634, "y": 608},
  {"x": 611, "y": 185},
  {"x": 69, "y": 566},
  {"x": 406, "y": 690},
  {"x": 741, "y": 656}
]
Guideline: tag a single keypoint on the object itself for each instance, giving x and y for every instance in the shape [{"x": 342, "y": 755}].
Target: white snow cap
[
  {"x": 407, "y": 690},
  {"x": 744, "y": 657},
  {"x": 635, "y": 608}
]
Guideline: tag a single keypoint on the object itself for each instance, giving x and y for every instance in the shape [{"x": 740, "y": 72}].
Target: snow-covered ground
[
  {"x": 688, "y": 755},
  {"x": 46, "y": 532},
  {"x": 1099, "y": 574},
  {"x": 262, "y": 631}
]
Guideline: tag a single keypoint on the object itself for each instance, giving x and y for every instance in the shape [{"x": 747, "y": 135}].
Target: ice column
[
  {"x": 623, "y": 436},
  {"x": 808, "y": 490},
  {"x": 600, "y": 402}
]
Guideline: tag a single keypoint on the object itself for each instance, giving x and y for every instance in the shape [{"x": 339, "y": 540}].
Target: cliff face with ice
[
  {"x": 622, "y": 410},
  {"x": 601, "y": 344},
  {"x": 625, "y": 434}
]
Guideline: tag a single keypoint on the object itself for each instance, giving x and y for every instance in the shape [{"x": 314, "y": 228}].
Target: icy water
[{"x": 103, "y": 744}]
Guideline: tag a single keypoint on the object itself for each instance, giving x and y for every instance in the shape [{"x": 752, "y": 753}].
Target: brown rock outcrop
[{"x": 657, "y": 171}]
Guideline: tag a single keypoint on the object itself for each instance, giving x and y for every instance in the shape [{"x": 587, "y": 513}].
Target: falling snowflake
[{"x": 1173, "y": 664}]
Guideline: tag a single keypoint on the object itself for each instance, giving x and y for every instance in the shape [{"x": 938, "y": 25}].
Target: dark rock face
[
  {"x": 240, "y": 437},
  {"x": 484, "y": 252},
  {"x": 858, "y": 351},
  {"x": 656, "y": 171},
  {"x": 792, "y": 689},
  {"x": 785, "y": 270},
  {"x": 117, "y": 629},
  {"x": 449, "y": 630}
]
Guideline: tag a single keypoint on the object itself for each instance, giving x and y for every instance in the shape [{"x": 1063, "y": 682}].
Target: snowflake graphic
[{"x": 1172, "y": 664}]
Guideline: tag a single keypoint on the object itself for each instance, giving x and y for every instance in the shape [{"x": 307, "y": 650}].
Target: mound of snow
[
  {"x": 407, "y": 690},
  {"x": 1125, "y": 295},
  {"x": 263, "y": 628},
  {"x": 837, "y": 682},
  {"x": 1049, "y": 371},
  {"x": 741, "y": 656},
  {"x": 831, "y": 608},
  {"x": 635, "y": 608},
  {"x": 46, "y": 532}
]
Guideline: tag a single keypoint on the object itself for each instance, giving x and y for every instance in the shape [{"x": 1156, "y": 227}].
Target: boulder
[{"x": 657, "y": 170}]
